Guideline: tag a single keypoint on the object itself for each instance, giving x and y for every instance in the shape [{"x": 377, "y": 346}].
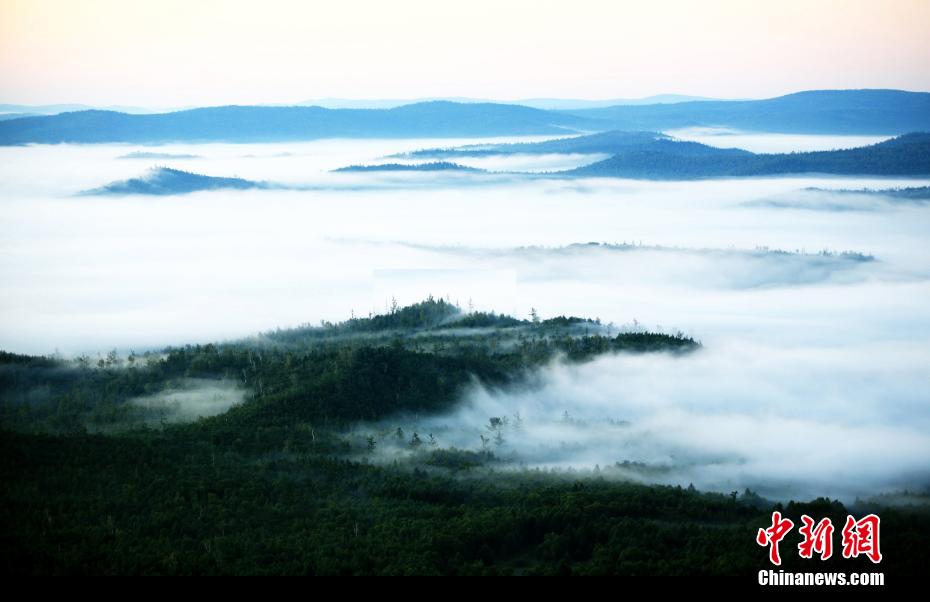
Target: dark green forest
[
  {"x": 653, "y": 155},
  {"x": 96, "y": 484},
  {"x": 907, "y": 155}
]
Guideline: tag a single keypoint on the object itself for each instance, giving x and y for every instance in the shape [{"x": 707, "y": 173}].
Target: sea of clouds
[{"x": 814, "y": 374}]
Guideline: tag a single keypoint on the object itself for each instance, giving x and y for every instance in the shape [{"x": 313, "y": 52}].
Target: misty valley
[
  {"x": 463, "y": 338},
  {"x": 352, "y": 442}
]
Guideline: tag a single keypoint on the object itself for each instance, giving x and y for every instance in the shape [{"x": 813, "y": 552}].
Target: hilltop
[
  {"x": 612, "y": 142},
  {"x": 907, "y": 155},
  {"x": 283, "y": 484},
  {"x": 653, "y": 155},
  {"x": 166, "y": 181},
  {"x": 415, "y": 358},
  {"x": 875, "y": 112}
]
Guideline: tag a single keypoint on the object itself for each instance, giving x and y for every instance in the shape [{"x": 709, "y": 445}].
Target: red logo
[
  {"x": 773, "y": 535},
  {"x": 816, "y": 539},
  {"x": 860, "y": 537}
]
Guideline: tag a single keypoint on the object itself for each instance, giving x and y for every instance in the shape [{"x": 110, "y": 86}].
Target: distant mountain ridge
[
  {"x": 873, "y": 112},
  {"x": 68, "y": 108},
  {"x": 813, "y": 112},
  {"x": 549, "y": 104},
  {"x": 269, "y": 124}
]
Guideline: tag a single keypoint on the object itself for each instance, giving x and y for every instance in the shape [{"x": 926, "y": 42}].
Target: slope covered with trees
[
  {"x": 611, "y": 142},
  {"x": 653, "y": 155},
  {"x": 166, "y": 181},
  {"x": 274, "y": 487},
  {"x": 178, "y": 502},
  {"x": 415, "y": 358},
  {"x": 907, "y": 155}
]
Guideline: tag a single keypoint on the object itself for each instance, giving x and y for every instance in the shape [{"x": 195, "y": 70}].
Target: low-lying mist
[
  {"x": 90, "y": 273},
  {"x": 189, "y": 399},
  {"x": 815, "y": 199},
  {"x": 812, "y": 380},
  {"x": 761, "y": 142},
  {"x": 658, "y": 265},
  {"x": 792, "y": 422}
]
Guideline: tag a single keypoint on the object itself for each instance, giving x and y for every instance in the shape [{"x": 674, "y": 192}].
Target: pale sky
[{"x": 169, "y": 53}]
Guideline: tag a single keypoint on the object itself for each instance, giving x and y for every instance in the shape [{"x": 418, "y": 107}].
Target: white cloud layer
[{"x": 815, "y": 369}]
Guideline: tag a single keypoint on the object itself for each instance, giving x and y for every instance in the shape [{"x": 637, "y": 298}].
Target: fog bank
[
  {"x": 813, "y": 375},
  {"x": 793, "y": 422}
]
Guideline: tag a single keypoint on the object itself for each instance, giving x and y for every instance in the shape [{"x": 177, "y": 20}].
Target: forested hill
[
  {"x": 611, "y": 142},
  {"x": 165, "y": 181},
  {"x": 907, "y": 155},
  {"x": 634, "y": 155},
  {"x": 269, "y": 124},
  {"x": 415, "y": 358},
  {"x": 283, "y": 484},
  {"x": 653, "y": 155},
  {"x": 879, "y": 112}
]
